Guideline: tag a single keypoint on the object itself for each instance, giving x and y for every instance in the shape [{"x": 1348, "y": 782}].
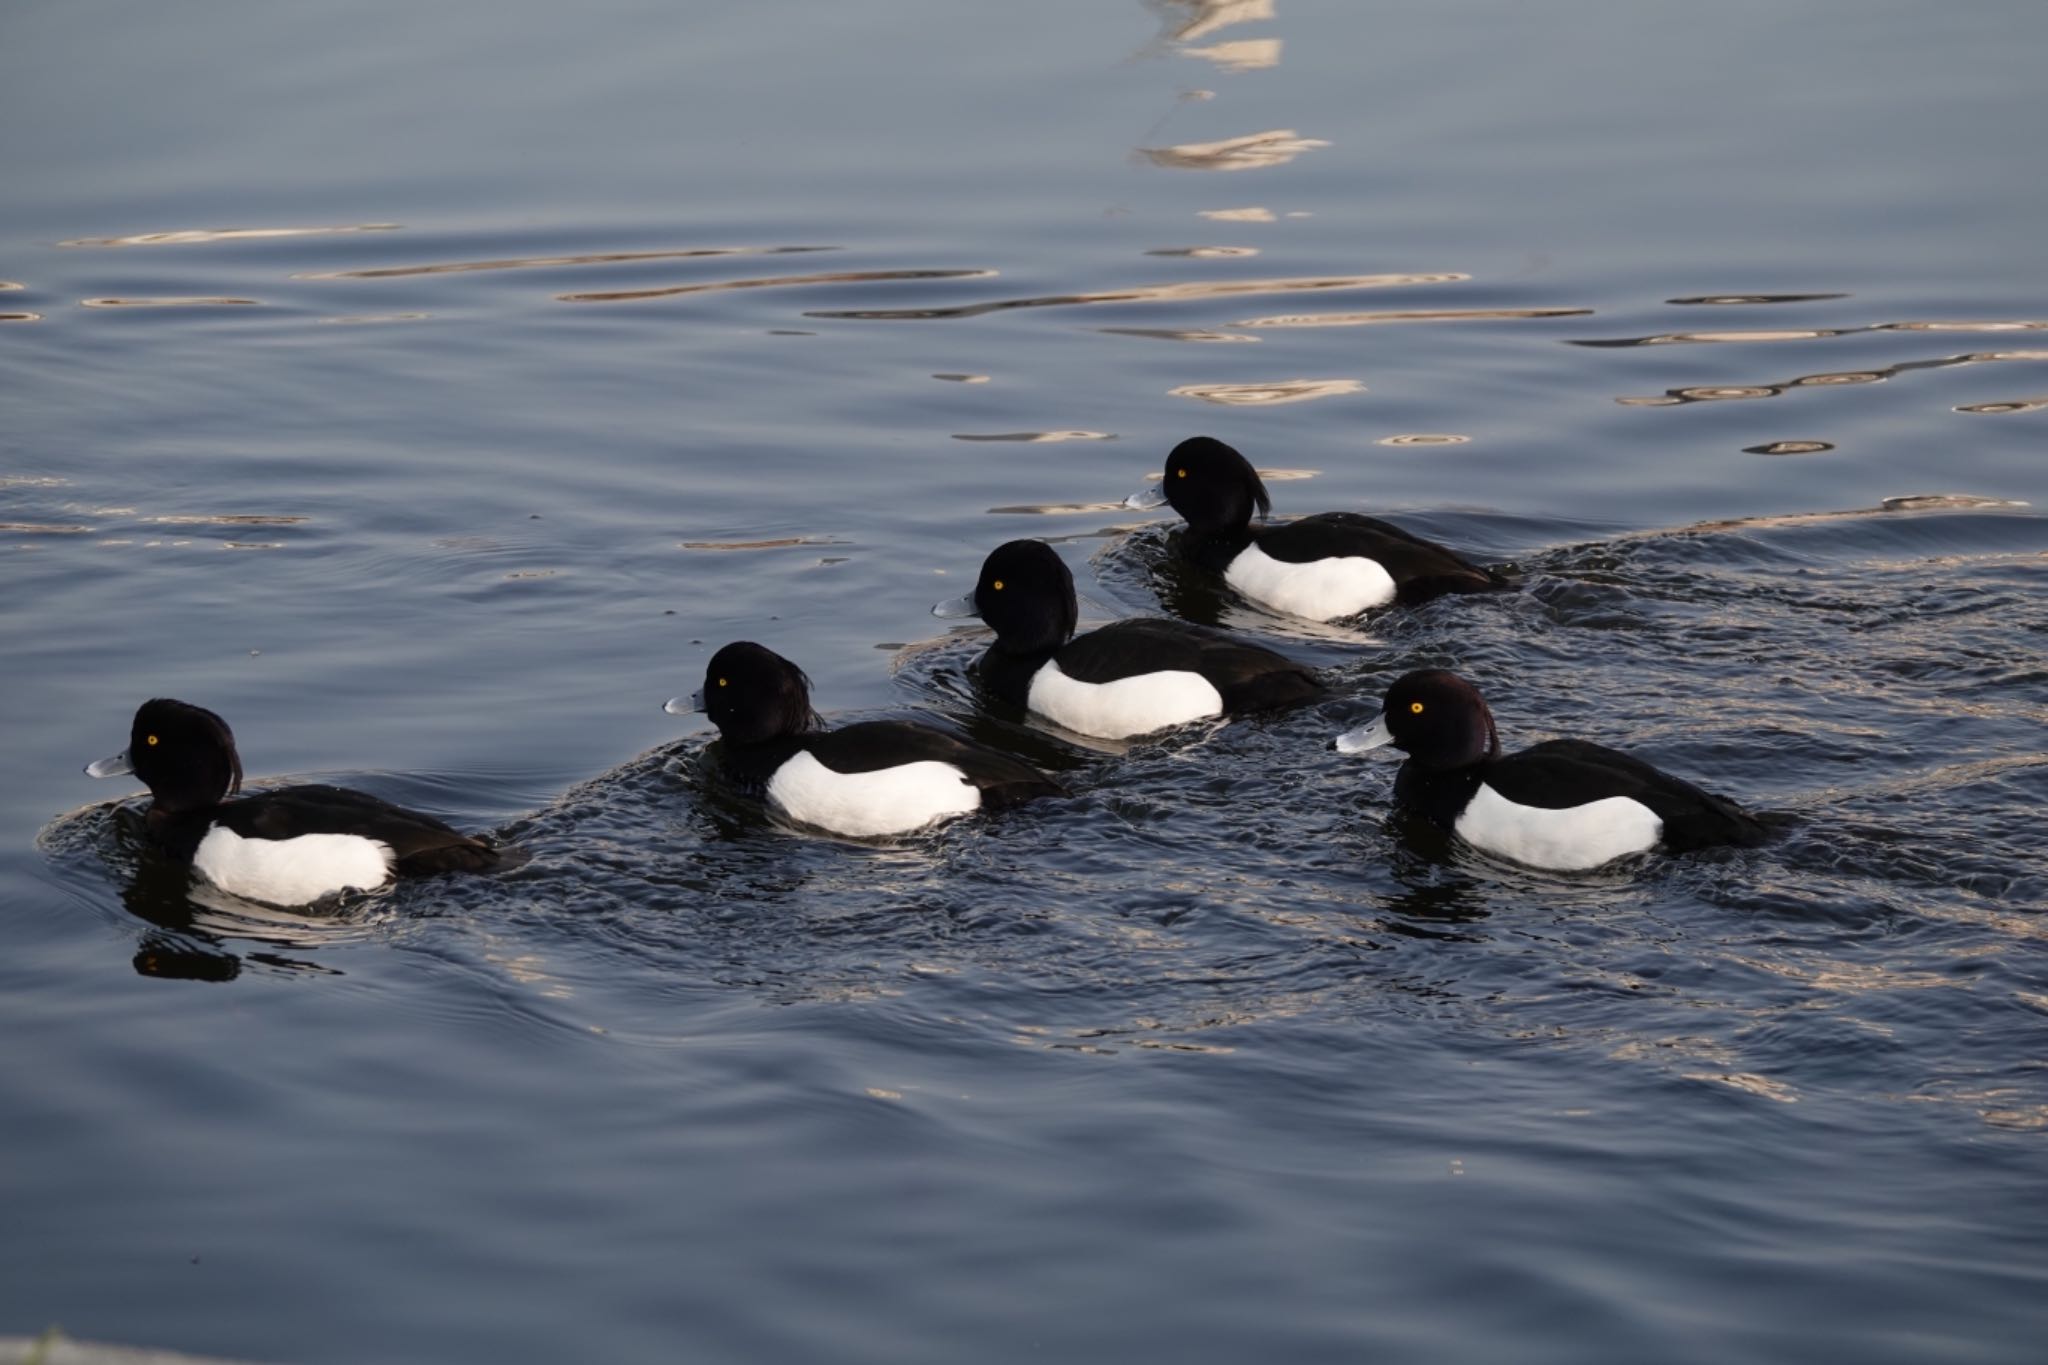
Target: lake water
[{"x": 430, "y": 389}]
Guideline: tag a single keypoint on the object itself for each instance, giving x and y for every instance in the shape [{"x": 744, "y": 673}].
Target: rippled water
[{"x": 431, "y": 391}]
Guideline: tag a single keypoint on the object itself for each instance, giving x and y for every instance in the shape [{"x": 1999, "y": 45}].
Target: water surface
[{"x": 431, "y": 392}]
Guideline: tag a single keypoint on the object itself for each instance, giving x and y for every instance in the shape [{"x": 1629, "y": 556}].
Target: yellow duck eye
[
  {"x": 997, "y": 585},
  {"x": 1414, "y": 708},
  {"x": 1180, "y": 473},
  {"x": 151, "y": 741},
  {"x": 721, "y": 682}
]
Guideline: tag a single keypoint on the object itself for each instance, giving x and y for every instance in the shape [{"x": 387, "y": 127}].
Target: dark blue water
[{"x": 430, "y": 391}]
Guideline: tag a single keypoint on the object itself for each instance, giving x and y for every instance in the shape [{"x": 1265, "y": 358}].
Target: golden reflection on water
[
  {"x": 963, "y": 378},
  {"x": 1252, "y": 151},
  {"x": 1382, "y": 319},
  {"x": 1244, "y": 215},
  {"x": 390, "y": 272},
  {"x": 1152, "y": 293},
  {"x": 1424, "y": 439},
  {"x": 777, "y": 282},
  {"x": 9, "y": 286},
  {"x": 21, "y": 317},
  {"x": 1836, "y": 379},
  {"x": 361, "y": 319},
  {"x": 194, "y": 235},
  {"x": 1269, "y": 394}
]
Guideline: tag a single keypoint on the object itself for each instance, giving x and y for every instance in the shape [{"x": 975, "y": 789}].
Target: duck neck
[
  {"x": 1438, "y": 794},
  {"x": 749, "y": 766},
  {"x": 1007, "y": 672},
  {"x": 178, "y": 831},
  {"x": 1212, "y": 549}
]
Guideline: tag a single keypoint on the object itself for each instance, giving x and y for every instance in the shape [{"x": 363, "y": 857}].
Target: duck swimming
[
  {"x": 1324, "y": 567},
  {"x": 875, "y": 777},
  {"x": 1126, "y": 678},
  {"x": 1564, "y": 805},
  {"x": 289, "y": 846}
]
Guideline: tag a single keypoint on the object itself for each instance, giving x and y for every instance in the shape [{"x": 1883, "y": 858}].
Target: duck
[
  {"x": 1324, "y": 567},
  {"x": 1564, "y": 805},
  {"x": 1124, "y": 679},
  {"x": 870, "y": 779},
  {"x": 289, "y": 846}
]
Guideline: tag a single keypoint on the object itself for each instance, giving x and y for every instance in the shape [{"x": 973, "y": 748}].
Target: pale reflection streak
[
  {"x": 1173, "y": 334},
  {"x": 777, "y": 282},
  {"x": 1203, "y": 252},
  {"x": 1912, "y": 502},
  {"x": 1382, "y": 319},
  {"x": 1735, "y": 392},
  {"x": 777, "y": 543},
  {"x": 1269, "y": 394},
  {"x": 2012, "y": 405},
  {"x": 224, "y": 519},
  {"x": 171, "y": 302},
  {"x": 1055, "y": 509},
  {"x": 1249, "y": 54},
  {"x": 1153, "y": 293},
  {"x": 1252, "y": 151},
  {"x": 392, "y": 272},
  {"x": 1424, "y": 438},
  {"x": 195, "y": 235},
  {"x": 1187, "y": 20},
  {"x": 21, "y": 317},
  {"x": 1250, "y": 214},
  {"x": 1036, "y": 437},
  {"x": 1808, "y": 333}
]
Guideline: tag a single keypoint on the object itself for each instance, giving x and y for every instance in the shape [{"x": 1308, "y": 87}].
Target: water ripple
[
  {"x": 1156, "y": 293},
  {"x": 1251, "y": 151},
  {"x": 1438, "y": 315},
  {"x": 390, "y": 272},
  {"x": 1268, "y": 394},
  {"x": 1038, "y": 437},
  {"x": 198, "y": 235},
  {"x": 1789, "y": 448},
  {"x": 1805, "y": 333},
  {"x": 1743, "y": 300},
  {"x": 2009, "y": 406},
  {"x": 778, "y": 282},
  {"x": 1723, "y": 392},
  {"x": 171, "y": 301}
]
